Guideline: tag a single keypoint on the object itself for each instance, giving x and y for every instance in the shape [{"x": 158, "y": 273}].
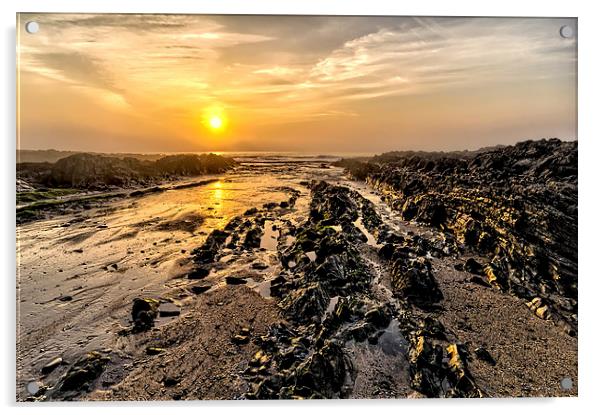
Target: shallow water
[
  {"x": 102, "y": 258},
  {"x": 391, "y": 341},
  {"x": 269, "y": 239},
  {"x": 371, "y": 239}
]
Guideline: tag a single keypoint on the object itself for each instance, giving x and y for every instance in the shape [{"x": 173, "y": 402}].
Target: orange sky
[{"x": 147, "y": 83}]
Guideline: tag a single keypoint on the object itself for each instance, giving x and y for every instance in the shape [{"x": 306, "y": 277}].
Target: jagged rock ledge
[{"x": 516, "y": 205}]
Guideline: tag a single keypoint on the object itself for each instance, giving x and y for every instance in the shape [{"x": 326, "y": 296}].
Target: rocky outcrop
[
  {"x": 438, "y": 366},
  {"x": 93, "y": 172},
  {"x": 328, "y": 303},
  {"x": 516, "y": 205}
]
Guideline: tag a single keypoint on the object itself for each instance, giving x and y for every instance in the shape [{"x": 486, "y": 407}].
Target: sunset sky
[{"x": 168, "y": 83}]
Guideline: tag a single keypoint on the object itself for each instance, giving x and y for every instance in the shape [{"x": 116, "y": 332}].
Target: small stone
[
  {"x": 235, "y": 280},
  {"x": 259, "y": 265},
  {"x": 168, "y": 310},
  {"x": 198, "y": 273},
  {"x": 543, "y": 312},
  {"x": 65, "y": 298},
  {"x": 200, "y": 289},
  {"x": 53, "y": 364},
  {"x": 170, "y": 382},
  {"x": 479, "y": 281},
  {"x": 240, "y": 339},
  {"x": 144, "y": 312},
  {"x": 484, "y": 355},
  {"x": 153, "y": 351},
  {"x": 473, "y": 267}
]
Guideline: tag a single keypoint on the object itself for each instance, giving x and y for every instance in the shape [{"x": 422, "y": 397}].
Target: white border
[{"x": 589, "y": 176}]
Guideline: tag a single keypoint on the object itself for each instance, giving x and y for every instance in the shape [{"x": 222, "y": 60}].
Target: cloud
[
  {"x": 439, "y": 53},
  {"x": 283, "y": 69}
]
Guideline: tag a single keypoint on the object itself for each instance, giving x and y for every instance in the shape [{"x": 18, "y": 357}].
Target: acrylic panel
[{"x": 295, "y": 207}]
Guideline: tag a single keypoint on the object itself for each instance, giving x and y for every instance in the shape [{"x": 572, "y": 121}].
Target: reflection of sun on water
[{"x": 218, "y": 193}]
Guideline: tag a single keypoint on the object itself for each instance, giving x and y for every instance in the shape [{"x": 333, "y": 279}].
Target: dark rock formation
[
  {"x": 516, "y": 205},
  {"x": 84, "y": 372},
  {"x": 144, "y": 313},
  {"x": 92, "y": 171}
]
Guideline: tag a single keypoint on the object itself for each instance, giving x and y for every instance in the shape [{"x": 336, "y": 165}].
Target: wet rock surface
[
  {"x": 334, "y": 313},
  {"x": 514, "y": 205}
]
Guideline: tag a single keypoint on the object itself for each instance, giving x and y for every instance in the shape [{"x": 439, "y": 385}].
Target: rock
[
  {"x": 243, "y": 336},
  {"x": 479, "y": 281},
  {"x": 473, "y": 267},
  {"x": 199, "y": 289},
  {"x": 306, "y": 304},
  {"x": 462, "y": 382},
  {"x": 359, "y": 331},
  {"x": 373, "y": 338},
  {"x": 65, "y": 298},
  {"x": 144, "y": 312},
  {"x": 325, "y": 372},
  {"x": 251, "y": 211},
  {"x": 206, "y": 254},
  {"x": 198, "y": 273},
  {"x": 484, "y": 355},
  {"x": 412, "y": 279},
  {"x": 259, "y": 265},
  {"x": 540, "y": 309},
  {"x": 153, "y": 351},
  {"x": 168, "y": 310},
  {"x": 259, "y": 359},
  {"x": 378, "y": 316},
  {"x": 232, "y": 280},
  {"x": 543, "y": 312},
  {"x": 91, "y": 171},
  {"x": 270, "y": 205},
  {"x": 84, "y": 371},
  {"x": 53, "y": 364},
  {"x": 515, "y": 205},
  {"x": 170, "y": 381},
  {"x": 253, "y": 238}
]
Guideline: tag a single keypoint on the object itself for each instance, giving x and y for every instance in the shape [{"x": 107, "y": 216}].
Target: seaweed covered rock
[
  {"x": 412, "y": 279},
  {"x": 439, "y": 368},
  {"x": 206, "y": 253},
  {"x": 515, "y": 204},
  {"x": 84, "y": 372},
  {"x": 144, "y": 313},
  {"x": 307, "y": 304}
]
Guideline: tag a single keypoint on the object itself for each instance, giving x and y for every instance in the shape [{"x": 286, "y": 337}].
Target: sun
[
  {"x": 215, "y": 122},
  {"x": 215, "y": 119}
]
